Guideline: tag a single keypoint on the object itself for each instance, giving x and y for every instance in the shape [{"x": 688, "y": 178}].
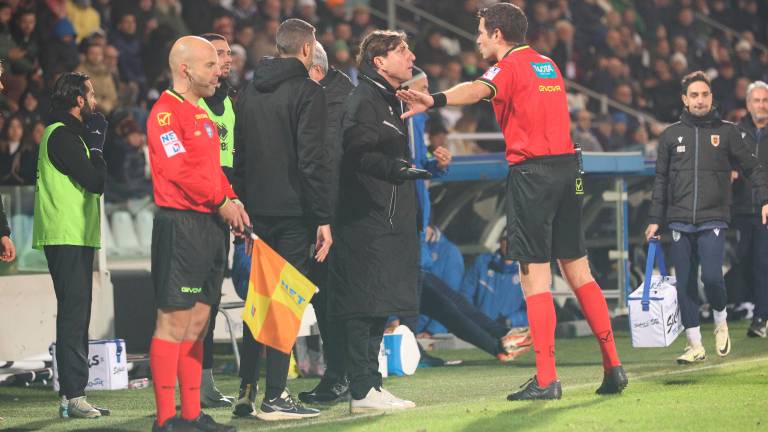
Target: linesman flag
[{"x": 277, "y": 296}]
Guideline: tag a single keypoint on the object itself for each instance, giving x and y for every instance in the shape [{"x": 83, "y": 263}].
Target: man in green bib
[
  {"x": 70, "y": 179},
  {"x": 219, "y": 109}
]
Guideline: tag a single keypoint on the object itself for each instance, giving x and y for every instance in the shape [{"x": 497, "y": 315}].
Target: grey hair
[
  {"x": 320, "y": 58},
  {"x": 292, "y": 35},
  {"x": 754, "y": 86}
]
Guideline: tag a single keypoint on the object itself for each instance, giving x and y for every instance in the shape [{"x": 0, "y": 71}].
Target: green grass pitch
[{"x": 728, "y": 394}]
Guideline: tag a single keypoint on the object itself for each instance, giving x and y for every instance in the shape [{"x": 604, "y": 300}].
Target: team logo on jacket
[
  {"x": 208, "y": 130},
  {"x": 715, "y": 140},
  {"x": 743, "y": 134},
  {"x": 676, "y": 236}
]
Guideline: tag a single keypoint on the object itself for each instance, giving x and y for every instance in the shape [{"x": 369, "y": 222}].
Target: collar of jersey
[
  {"x": 175, "y": 94},
  {"x": 515, "y": 48}
]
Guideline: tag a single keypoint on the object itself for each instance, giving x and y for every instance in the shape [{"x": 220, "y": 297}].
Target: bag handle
[{"x": 655, "y": 255}]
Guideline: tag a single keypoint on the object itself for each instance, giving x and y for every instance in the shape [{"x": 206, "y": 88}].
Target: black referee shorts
[
  {"x": 189, "y": 257},
  {"x": 544, "y": 199}
]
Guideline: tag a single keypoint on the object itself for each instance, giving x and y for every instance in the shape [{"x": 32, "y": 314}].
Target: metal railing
[{"x": 725, "y": 29}]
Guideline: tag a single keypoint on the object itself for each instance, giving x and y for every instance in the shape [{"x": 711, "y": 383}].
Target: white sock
[
  {"x": 694, "y": 336},
  {"x": 720, "y": 316}
]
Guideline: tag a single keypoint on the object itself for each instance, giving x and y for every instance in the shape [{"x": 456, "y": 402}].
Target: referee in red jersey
[
  {"x": 544, "y": 188},
  {"x": 196, "y": 207}
]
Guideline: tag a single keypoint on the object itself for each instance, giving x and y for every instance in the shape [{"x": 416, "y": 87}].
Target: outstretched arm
[{"x": 466, "y": 93}]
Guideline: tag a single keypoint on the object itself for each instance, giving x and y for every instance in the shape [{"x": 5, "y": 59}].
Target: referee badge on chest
[{"x": 208, "y": 129}]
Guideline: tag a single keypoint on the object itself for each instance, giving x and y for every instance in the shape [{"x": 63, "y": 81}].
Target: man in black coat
[
  {"x": 7, "y": 248},
  {"x": 282, "y": 169},
  {"x": 692, "y": 194},
  {"x": 334, "y": 385},
  {"x": 752, "y": 250},
  {"x": 374, "y": 267}
]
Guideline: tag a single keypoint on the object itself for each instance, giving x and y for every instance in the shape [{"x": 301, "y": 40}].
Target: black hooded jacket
[
  {"x": 745, "y": 199},
  {"x": 282, "y": 165},
  {"x": 693, "y": 170}
]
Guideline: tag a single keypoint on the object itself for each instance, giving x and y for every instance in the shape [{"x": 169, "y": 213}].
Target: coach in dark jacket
[
  {"x": 375, "y": 263},
  {"x": 692, "y": 194},
  {"x": 752, "y": 250},
  {"x": 333, "y": 387},
  {"x": 282, "y": 169}
]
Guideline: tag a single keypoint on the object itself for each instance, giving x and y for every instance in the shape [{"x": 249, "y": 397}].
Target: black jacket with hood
[
  {"x": 745, "y": 199},
  {"x": 693, "y": 170},
  {"x": 374, "y": 266},
  {"x": 282, "y": 165}
]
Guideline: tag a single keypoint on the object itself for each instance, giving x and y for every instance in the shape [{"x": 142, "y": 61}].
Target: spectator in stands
[
  {"x": 125, "y": 39},
  {"x": 11, "y": 138},
  {"x": 582, "y": 132},
  {"x": 84, "y": 18},
  {"x": 747, "y": 64},
  {"x": 103, "y": 84},
  {"x": 602, "y": 130},
  {"x": 224, "y": 25},
  {"x": 168, "y": 13},
  {"x": 30, "y": 110},
  {"x": 619, "y": 141},
  {"x": 245, "y": 11},
  {"x": 60, "y": 53},
  {"x": 127, "y": 163},
  {"x": 25, "y": 163},
  {"x": 26, "y": 37}
]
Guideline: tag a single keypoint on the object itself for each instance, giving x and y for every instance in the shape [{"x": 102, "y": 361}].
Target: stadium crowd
[{"x": 635, "y": 52}]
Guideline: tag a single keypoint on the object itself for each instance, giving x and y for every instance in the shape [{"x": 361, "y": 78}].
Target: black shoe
[
  {"x": 175, "y": 424},
  {"x": 284, "y": 408},
  {"x": 614, "y": 381},
  {"x": 246, "y": 401},
  {"x": 532, "y": 391},
  {"x": 206, "y": 423},
  {"x": 430, "y": 361},
  {"x": 326, "y": 392},
  {"x": 758, "y": 328}
]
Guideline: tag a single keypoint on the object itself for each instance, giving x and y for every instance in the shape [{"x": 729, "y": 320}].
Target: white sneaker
[
  {"x": 396, "y": 400},
  {"x": 692, "y": 354},
  {"x": 80, "y": 408},
  {"x": 722, "y": 340},
  {"x": 375, "y": 400}
]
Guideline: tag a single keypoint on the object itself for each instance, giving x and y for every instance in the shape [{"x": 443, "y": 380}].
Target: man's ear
[{"x": 80, "y": 101}]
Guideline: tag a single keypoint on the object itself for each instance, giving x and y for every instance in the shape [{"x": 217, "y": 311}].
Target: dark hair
[
  {"x": 66, "y": 90},
  {"x": 508, "y": 18},
  {"x": 213, "y": 36},
  {"x": 692, "y": 78},
  {"x": 378, "y": 43},
  {"x": 292, "y": 35}
]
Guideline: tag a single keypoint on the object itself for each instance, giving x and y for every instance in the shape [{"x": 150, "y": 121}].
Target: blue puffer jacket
[
  {"x": 443, "y": 259},
  {"x": 493, "y": 286}
]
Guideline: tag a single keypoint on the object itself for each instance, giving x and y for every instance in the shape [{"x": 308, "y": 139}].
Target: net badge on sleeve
[{"x": 171, "y": 144}]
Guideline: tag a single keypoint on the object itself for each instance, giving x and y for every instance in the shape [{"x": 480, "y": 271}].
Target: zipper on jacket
[
  {"x": 392, "y": 206},
  {"x": 695, "y": 174}
]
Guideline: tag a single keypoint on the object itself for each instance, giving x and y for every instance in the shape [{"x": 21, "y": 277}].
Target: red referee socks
[
  {"x": 163, "y": 360},
  {"x": 595, "y": 310},
  {"x": 190, "y": 375},
  {"x": 542, "y": 322}
]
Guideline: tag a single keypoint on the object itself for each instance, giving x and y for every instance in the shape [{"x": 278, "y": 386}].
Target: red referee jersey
[
  {"x": 184, "y": 153},
  {"x": 530, "y": 105}
]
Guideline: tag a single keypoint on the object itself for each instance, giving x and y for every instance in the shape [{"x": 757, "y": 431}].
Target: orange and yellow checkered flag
[{"x": 277, "y": 296}]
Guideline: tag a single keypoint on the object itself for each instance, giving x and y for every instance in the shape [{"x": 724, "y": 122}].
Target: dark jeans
[
  {"x": 686, "y": 253},
  {"x": 752, "y": 256},
  {"x": 331, "y": 332},
  {"x": 290, "y": 237},
  {"x": 438, "y": 301},
  {"x": 71, "y": 269},
  {"x": 364, "y": 337}
]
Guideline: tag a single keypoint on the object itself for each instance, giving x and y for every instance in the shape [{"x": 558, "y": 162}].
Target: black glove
[
  {"x": 406, "y": 172},
  {"x": 95, "y": 131}
]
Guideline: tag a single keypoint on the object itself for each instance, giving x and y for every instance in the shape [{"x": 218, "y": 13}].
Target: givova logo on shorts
[
  {"x": 579, "y": 186},
  {"x": 191, "y": 290}
]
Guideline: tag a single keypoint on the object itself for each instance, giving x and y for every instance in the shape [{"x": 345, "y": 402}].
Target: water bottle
[{"x": 138, "y": 383}]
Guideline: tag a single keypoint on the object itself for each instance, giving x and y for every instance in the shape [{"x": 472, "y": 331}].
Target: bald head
[{"x": 194, "y": 67}]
